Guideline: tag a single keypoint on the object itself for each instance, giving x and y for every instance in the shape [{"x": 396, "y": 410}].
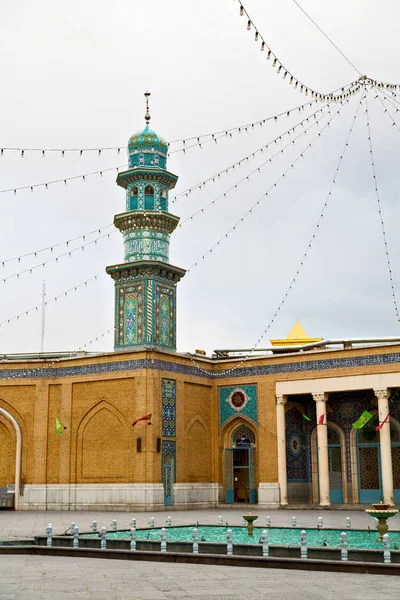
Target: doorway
[{"x": 240, "y": 468}]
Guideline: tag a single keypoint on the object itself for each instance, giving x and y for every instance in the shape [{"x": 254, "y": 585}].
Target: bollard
[
  {"x": 133, "y": 523},
  {"x": 169, "y": 521},
  {"x": 229, "y": 544},
  {"x": 294, "y": 521},
  {"x": 163, "y": 537},
  {"x": 386, "y": 549},
  {"x": 151, "y": 522},
  {"x": 344, "y": 553},
  {"x": 195, "y": 538},
  {"x": 72, "y": 527},
  {"x": 303, "y": 544},
  {"x": 348, "y": 523},
  {"x": 49, "y": 533},
  {"x": 268, "y": 521},
  {"x": 220, "y": 521},
  {"x": 133, "y": 538},
  {"x": 94, "y": 526},
  {"x": 114, "y": 525},
  {"x": 75, "y": 543},
  {"x": 264, "y": 538},
  {"x": 103, "y": 539},
  {"x": 320, "y": 523}
]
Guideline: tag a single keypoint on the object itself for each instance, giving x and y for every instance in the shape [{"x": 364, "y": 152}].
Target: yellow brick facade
[{"x": 100, "y": 455}]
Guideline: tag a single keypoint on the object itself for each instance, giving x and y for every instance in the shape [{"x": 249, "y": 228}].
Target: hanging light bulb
[
  {"x": 263, "y": 47},
  {"x": 249, "y": 24},
  {"x": 291, "y": 80},
  {"x": 279, "y": 69},
  {"x": 284, "y": 75},
  {"x": 241, "y": 11},
  {"x": 274, "y": 63},
  {"x": 256, "y": 36},
  {"x": 296, "y": 84},
  {"x": 301, "y": 88},
  {"x": 269, "y": 54}
]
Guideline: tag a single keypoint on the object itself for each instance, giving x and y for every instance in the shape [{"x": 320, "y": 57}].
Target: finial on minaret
[{"x": 147, "y": 115}]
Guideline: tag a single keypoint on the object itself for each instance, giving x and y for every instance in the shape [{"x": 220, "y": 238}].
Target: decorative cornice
[
  {"x": 147, "y": 174},
  {"x": 281, "y": 400},
  {"x": 145, "y": 269},
  {"x": 146, "y": 219}
]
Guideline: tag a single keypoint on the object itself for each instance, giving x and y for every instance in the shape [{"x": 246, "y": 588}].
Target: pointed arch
[
  {"x": 104, "y": 446},
  {"x": 231, "y": 424},
  {"x": 18, "y": 454},
  {"x": 197, "y": 444}
]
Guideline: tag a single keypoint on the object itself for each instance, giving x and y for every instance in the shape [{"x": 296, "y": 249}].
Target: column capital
[
  {"x": 281, "y": 399},
  {"x": 381, "y": 393},
  {"x": 320, "y": 397}
]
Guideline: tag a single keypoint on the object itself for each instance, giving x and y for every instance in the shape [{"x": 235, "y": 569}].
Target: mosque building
[{"x": 305, "y": 421}]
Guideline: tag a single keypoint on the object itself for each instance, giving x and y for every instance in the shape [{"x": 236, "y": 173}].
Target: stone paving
[
  {"x": 47, "y": 578},
  {"x": 26, "y": 524}
]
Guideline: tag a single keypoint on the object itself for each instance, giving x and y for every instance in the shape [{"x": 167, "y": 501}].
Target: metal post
[
  {"x": 220, "y": 520},
  {"x": 303, "y": 544},
  {"x": 344, "y": 553},
  {"x": 103, "y": 540},
  {"x": 94, "y": 526},
  {"x": 348, "y": 523},
  {"x": 151, "y": 522},
  {"x": 75, "y": 543},
  {"x": 229, "y": 544},
  {"x": 268, "y": 521},
  {"x": 133, "y": 538},
  {"x": 133, "y": 523},
  {"x": 264, "y": 538},
  {"x": 386, "y": 549},
  {"x": 43, "y": 316},
  {"x": 320, "y": 523},
  {"x": 163, "y": 537},
  {"x": 195, "y": 538},
  {"x": 114, "y": 525},
  {"x": 169, "y": 521},
  {"x": 294, "y": 521},
  {"x": 49, "y": 533}
]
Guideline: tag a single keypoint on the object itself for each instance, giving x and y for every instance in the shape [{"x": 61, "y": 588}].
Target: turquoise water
[{"x": 276, "y": 535}]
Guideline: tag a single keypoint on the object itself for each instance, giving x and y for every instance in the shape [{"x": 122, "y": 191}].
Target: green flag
[
  {"x": 305, "y": 417},
  {"x": 59, "y": 427},
  {"x": 363, "y": 420}
]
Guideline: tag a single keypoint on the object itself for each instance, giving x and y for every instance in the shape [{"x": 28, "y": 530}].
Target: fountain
[
  {"x": 250, "y": 522},
  {"x": 382, "y": 512}
]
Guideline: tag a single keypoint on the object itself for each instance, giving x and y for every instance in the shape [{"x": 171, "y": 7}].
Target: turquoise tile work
[{"x": 240, "y": 400}]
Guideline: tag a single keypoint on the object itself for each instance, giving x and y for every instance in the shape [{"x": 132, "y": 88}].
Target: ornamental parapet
[
  {"x": 145, "y": 269},
  {"x": 142, "y": 219},
  {"x": 147, "y": 174}
]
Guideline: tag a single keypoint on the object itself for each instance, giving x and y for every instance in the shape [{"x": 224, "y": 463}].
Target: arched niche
[{"x": 18, "y": 454}]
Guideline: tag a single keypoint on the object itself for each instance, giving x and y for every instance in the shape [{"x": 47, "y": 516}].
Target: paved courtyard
[
  {"x": 47, "y": 578},
  {"x": 26, "y": 524}
]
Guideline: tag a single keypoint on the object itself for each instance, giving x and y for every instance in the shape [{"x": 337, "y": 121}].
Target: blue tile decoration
[
  {"x": 239, "y": 400},
  {"x": 172, "y": 367},
  {"x": 297, "y": 454},
  {"x": 168, "y": 404}
]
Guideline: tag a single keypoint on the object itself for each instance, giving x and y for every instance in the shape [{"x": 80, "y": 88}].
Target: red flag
[
  {"x": 321, "y": 420},
  {"x": 145, "y": 418},
  {"x": 382, "y": 424}
]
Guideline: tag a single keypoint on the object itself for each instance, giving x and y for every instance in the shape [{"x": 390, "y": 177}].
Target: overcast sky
[{"x": 73, "y": 75}]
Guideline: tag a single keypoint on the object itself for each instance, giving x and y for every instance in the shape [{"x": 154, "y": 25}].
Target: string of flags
[
  {"x": 300, "y": 266},
  {"x": 265, "y": 195},
  {"x": 57, "y": 258},
  {"x": 344, "y": 92},
  {"x": 75, "y": 288},
  {"x": 197, "y": 139},
  {"x": 238, "y": 163},
  {"x": 247, "y": 177}
]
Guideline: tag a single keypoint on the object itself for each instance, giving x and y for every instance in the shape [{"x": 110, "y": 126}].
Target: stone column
[
  {"x": 281, "y": 444},
  {"x": 385, "y": 444},
  {"x": 322, "y": 442}
]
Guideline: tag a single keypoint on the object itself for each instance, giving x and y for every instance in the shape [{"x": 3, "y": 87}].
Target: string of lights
[
  {"x": 344, "y": 92},
  {"x": 62, "y": 152},
  {"x": 51, "y": 248},
  {"x": 386, "y": 111},
  {"x": 238, "y": 163},
  {"x": 380, "y": 212},
  {"x": 57, "y": 258},
  {"x": 96, "y": 339},
  {"x": 265, "y": 195},
  {"x": 247, "y": 177},
  {"x": 64, "y": 294},
  {"x": 391, "y": 98},
  {"x": 64, "y": 180},
  {"x": 300, "y": 264}
]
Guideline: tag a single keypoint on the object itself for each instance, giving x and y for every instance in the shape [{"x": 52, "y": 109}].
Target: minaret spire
[{"x": 147, "y": 116}]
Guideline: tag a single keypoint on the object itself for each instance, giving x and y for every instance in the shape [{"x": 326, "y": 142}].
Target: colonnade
[{"x": 320, "y": 398}]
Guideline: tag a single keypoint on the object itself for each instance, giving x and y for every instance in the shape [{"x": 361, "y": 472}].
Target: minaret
[{"x": 145, "y": 284}]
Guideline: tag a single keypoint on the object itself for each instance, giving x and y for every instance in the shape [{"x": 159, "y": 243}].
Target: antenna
[
  {"x": 43, "y": 316},
  {"x": 147, "y": 116}
]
